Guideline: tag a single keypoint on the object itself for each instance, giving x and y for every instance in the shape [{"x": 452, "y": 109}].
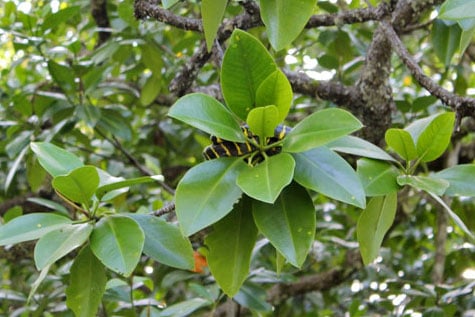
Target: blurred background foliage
[{"x": 107, "y": 100}]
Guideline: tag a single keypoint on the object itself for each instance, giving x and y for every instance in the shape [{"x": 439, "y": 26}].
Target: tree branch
[
  {"x": 463, "y": 106},
  {"x": 99, "y": 13},
  {"x": 145, "y": 9},
  {"x": 348, "y": 17}
]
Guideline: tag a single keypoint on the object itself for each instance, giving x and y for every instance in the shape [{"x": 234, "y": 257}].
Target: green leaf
[
  {"x": 168, "y": 3},
  {"x": 212, "y": 12},
  {"x": 150, "y": 90},
  {"x": 79, "y": 185},
  {"x": 56, "y": 244},
  {"x": 113, "y": 122},
  {"x": 207, "y": 193},
  {"x": 263, "y": 120},
  {"x": 63, "y": 76},
  {"x": 246, "y": 64},
  {"x": 184, "y": 308},
  {"x": 445, "y": 40},
  {"x": 230, "y": 247},
  {"x": 254, "y": 297},
  {"x": 103, "y": 190},
  {"x": 320, "y": 128},
  {"x": 49, "y": 204},
  {"x": 266, "y": 180},
  {"x": 275, "y": 90},
  {"x": 373, "y": 224},
  {"x": 289, "y": 223},
  {"x": 87, "y": 284},
  {"x": 401, "y": 141},
  {"x": 30, "y": 227},
  {"x": 435, "y": 138},
  {"x": 164, "y": 242},
  {"x": 284, "y": 20},
  {"x": 378, "y": 178},
  {"x": 328, "y": 173},
  {"x": 428, "y": 184},
  {"x": 457, "y": 10},
  {"x": 62, "y": 16},
  {"x": 353, "y": 145},
  {"x": 461, "y": 179},
  {"x": 55, "y": 160},
  {"x": 206, "y": 113},
  {"x": 452, "y": 215},
  {"x": 118, "y": 242}
]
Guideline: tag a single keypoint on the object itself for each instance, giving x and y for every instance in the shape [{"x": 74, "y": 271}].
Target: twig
[
  {"x": 464, "y": 106},
  {"x": 348, "y": 17},
  {"x": 168, "y": 208},
  {"x": 145, "y": 9}
]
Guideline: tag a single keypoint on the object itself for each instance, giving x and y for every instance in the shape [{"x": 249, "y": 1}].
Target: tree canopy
[{"x": 237, "y": 158}]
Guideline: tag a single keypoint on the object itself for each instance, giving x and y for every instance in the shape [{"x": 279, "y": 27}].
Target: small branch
[
  {"x": 464, "y": 106},
  {"x": 145, "y": 9},
  {"x": 348, "y": 17},
  {"x": 116, "y": 143},
  {"x": 316, "y": 282}
]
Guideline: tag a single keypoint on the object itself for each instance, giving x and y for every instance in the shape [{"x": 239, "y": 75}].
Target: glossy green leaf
[
  {"x": 457, "y": 10},
  {"x": 328, "y": 173},
  {"x": 284, "y": 20},
  {"x": 55, "y": 160},
  {"x": 373, "y": 224},
  {"x": 428, "y": 184},
  {"x": 246, "y": 64},
  {"x": 206, "y": 113},
  {"x": 63, "y": 76},
  {"x": 30, "y": 227},
  {"x": 461, "y": 179},
  {"x": 435, "y": 138},
  {"x": 356, "y": 146},
  {"x": 164, "y": 242},
  {"x": 56, "y": 244},
  {"x": 79, "y": 185},
  {"x": 184, "y": 308},
  {"x": 445, "y": 40},
  {"x": 275, "y": 90},
  {"x": 118, "y": 242},
  {"x": 289, "y": 223},
  {"x": 266, "y": 180},
  {"x": 230, "y": 247},
  {"x": 87, "y": 283},
  {"x": 378, "y": 178},
  {"x": 207, "y": 193},
  {"x": 103, "y": 190},
  {"x": 212, "y": 12},
  {"x": 402, "y": 143},
  {"x": 263, "y": 120},
  {"x": 320, "y": 128}
]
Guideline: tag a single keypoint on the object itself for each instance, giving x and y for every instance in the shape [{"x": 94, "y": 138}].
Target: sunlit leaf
[
  {"x": 206, "y": 113},
  {"x": 79, "y": 185},
  {"x": 320, "y": 128},
  {"x": 402, "y": 143},
  {"x": 212, "y": 12},
  {"x": 262, "y": 121},
  {"x": 275, "y": 90}
]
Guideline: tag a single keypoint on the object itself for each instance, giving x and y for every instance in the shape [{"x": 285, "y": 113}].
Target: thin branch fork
[{"x": 463, "y": 106}]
